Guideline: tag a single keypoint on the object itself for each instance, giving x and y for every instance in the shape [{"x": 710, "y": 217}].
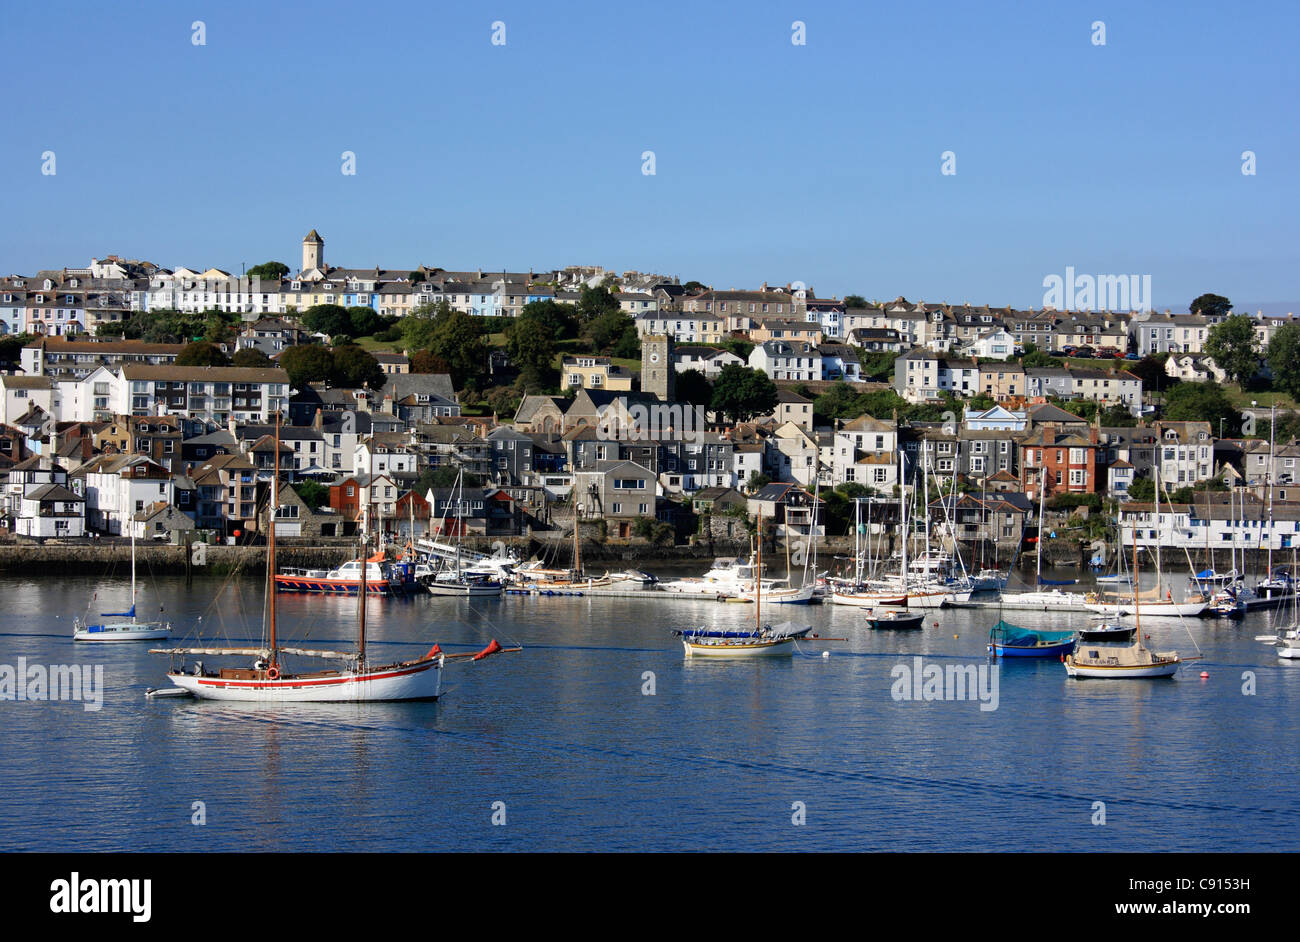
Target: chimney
[{"x": 318, "y": 422}]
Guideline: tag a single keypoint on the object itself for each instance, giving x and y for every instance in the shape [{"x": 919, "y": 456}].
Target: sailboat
[
  {"x": 1039, "y": 599},
  {"x": 113, "y": 631},
  {"x": 1152, "y": 605},
  {"x": 763, "y": 641},
  {"x": 1008, "y": 640},
  {"x": 454, "y": 581},
  {"x": 1117, "y": 652},
  {"x": 269, "y": 680}
]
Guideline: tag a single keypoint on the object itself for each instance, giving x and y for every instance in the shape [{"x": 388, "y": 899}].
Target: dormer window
[{"x": 48, "y": 284}]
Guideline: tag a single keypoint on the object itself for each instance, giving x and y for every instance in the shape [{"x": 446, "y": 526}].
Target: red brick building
[{"x": 1069, "y": 457}]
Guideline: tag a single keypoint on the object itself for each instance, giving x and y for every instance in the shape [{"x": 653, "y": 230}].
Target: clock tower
[{"x": 657, "y": 372}]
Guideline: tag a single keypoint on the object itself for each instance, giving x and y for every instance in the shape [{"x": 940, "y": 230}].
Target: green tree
[
  {"x": 694, "y": 287},
  {"x": 307, "y": 363},
  {"x": 1211, "y": 305},
  {"x": 11, "y": 347},
  {"x": 1201, "y": 402},
  {"x": 251, "y": 357},
  {"x": 1143, "y": 490},
  {"x": 560, "y": 319},
  {"x": 457, "y": 339},
  {"x": 201, "y": 353},
  {"x": 877, "y": 364},
  {"x": 595, "y": 302},
  {"x": 363, "y": 322},
  {"x": 741, "y": 348},
  {"x": 838, "y": 402},
  {"x": 1235, "y": 348},
  {"x": 1284, "y": 359},
  {"x": 1151, "y": 370},
  {"x": 693, "y": 387},
  {"x": 353, "y": 368},
  {"x": 1118, "y": 417},
  {"x": 1033, "y": 358},
  {"x": 605, "y": 331},
  {"x": 332, "y": 320},
  {"x": 530, "y": 345},
  {"x": 269, "y": 270},
  {"x": 443, "y": 476},
  {"x": 312, "y": 493},
  {"x": 743, "y": 393},
  {"x": 854, "y": 301}
]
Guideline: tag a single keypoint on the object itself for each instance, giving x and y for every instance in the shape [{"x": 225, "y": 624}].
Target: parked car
[
  {"x": 1083, "y": 352},
  {"x": 1113, "y": 353},
  {"x": 1132, "y": 356},
  {"x": 1068, "y": 350}
]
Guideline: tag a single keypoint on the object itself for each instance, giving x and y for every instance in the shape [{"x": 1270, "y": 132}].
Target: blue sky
[{"x": 774, "y": 162}]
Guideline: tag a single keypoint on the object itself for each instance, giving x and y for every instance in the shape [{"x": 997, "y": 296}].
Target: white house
[
  {"x": 51, "y": 510},
  {"x": 783, "y": 359},
  {"x": 995, "y": 344},
  {"x": 117, "y": 487}
]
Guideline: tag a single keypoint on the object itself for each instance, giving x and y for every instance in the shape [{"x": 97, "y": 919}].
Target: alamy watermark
[
  {"x": 619, "y": 421},
  {"x": 1097, "y": 292},
  {"x": 73, "y": 682},
  {"x": 921, "y": 681}
]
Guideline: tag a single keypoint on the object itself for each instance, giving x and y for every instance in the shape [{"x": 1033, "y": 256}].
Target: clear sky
[{"x": 774, "y": 161}]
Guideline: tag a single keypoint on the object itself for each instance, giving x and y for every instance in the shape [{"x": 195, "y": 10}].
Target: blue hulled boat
[{"x": 1008, "y": 640}]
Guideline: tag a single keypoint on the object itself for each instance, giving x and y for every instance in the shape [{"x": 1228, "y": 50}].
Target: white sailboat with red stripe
[{"x": 269, "y": 680}]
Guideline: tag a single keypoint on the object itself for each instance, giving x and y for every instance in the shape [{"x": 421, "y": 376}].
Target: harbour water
[{"x": 601, "y": 736}]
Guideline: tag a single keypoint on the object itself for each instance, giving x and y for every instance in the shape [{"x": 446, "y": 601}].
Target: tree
[
  {"x": 1284, "y": 358},
  {"x": 272, "y": 271},
  {"x": 530, "y": 344},
  {"x": 694, "y": 287},
  {"x": 1201, "y": 402},
  {"x": 457, "y": 338},
  {"x": 201, "y": 353},
  {"x": 307, "y": 363},
  {"x": 332, "y": 320},
  {"x": 424, "y": 361},
  {"x": 560, "y": 319},
  {"x": 741, "y": 348},
  {"x": 363, "y": 322},
  {"x": 1143, "y": 490},
  {"x": 595, "y": 302},
  {"x": 312, "y": 493},
  {"x": 743, "y": 393},
  {"x": 1235, "y": 348},
  {"x": 606, "y": 330},
  {"x": 353, "y": 367},
  {"x": 1035, "y": 358},
  {"x": 877, "y": 364},
  {"x": 838, "y": 402},
  {"x": 1118, "y": 417},
  {"x": 443, "y": 476},
  {"x": 694, "y": 388},
  {"x": 1151, "y": 370},
  {"x": 251, "y": 357},
  {"x": 1211, "y": 305},
  {"x": 11, "y": 347},
  {"x": 854, "y": 300}
]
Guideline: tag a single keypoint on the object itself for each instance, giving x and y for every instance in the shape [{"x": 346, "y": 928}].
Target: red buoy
[{"x": 1205, "y": 675}]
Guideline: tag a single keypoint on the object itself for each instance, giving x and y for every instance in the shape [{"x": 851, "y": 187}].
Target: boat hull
[
  {"x": 779, "y": 648},
  {"x": 464, "y": 591},
  {"x": 1153, "y": 609},
  {"x": 1041, "y": 650},
  {"x": 329, "y": 586},
  {"x": 420, "y": 680},
  {"x": 869, "y": 599},
  {"x": 1120, "y": 671},
  {"x": 114, "y": 634}
]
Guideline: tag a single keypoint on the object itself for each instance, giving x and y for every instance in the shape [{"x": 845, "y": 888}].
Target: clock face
[{"x": 654, "y": 358}]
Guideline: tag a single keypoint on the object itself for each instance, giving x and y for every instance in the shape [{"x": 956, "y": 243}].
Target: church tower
[
  {"x": 313, "y": 251},
  {"x": 658, "y": 375}
]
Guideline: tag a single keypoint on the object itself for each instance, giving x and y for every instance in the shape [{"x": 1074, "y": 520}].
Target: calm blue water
[{"x": 563, "y": 735}]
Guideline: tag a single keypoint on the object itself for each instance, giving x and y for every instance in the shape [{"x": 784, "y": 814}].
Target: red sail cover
[
  {"x": 434, "y": 651},
  {"x": 492, "y": 648}
]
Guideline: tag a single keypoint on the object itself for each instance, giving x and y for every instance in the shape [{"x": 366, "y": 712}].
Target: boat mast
[
  {"x": 1272, "y": 425},
  {"x": 133, "y": 569},
  {"x": 1137, "y": 608},
  {"x": 1159, "y": 534},
  {"x": 270, "y": 544},
  {"x": 1038, "y": 549},
  {"x": 903, "y": 523},
  {"x": 365, "y": 558},
  {"x": 758, "y": 578}
]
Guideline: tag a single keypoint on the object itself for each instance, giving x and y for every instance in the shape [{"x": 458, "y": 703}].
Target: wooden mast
[
  {"x": 758, "y": 578},
  {"x": 274, "y": 503}
]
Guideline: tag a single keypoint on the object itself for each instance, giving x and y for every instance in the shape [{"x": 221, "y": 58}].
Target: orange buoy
[{"x": 1205, "y": 675}]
